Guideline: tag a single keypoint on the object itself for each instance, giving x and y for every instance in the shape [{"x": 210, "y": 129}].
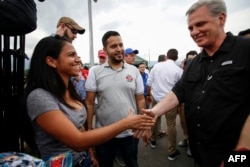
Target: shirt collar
[
  {"x": 226, "y": 46},
  {"x": 106, "y": 65}
]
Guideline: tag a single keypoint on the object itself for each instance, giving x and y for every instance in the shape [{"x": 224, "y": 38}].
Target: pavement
[{"x": 158, "y": 157}]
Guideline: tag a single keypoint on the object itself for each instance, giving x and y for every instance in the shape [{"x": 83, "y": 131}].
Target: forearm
[
  {"x": 90, "y": 115},
  {"x": 244, "y": 140},
  {"x": 98, "y": 136},
  {"x": 149, "y": 90},
  {"x": 141, "y": 103},
  {"x": 167, "y": 103}
]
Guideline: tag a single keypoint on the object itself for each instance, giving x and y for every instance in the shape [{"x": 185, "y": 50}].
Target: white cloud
[
  {"x": 150, "y": 26},
  {"x": 238, "y": 21}
]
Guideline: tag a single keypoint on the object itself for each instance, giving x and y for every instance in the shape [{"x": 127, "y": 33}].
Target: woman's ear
[{"x": 50, "y": 61}]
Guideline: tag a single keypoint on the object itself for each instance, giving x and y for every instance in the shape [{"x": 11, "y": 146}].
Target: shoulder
[
  {"x": 131, "y": 67},
  {"x": 40, "y": 94}
]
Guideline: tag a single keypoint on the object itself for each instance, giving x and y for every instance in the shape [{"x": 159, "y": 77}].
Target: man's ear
[
  {"x": 222, "y": 18},
  {"x": 51, "y": 61}
]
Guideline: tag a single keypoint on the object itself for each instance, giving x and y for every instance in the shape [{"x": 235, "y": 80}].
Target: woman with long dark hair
[{"x": 55, "y": 109}]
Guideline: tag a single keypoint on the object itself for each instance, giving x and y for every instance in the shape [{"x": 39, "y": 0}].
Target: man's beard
[
  {"x": 116, "y": 61},
  {"x": 67, "y": 37}
]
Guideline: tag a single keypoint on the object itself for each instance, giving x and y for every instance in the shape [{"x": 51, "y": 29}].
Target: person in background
[
  {"x": 215, "y": 87},
  {"x": 189, "y": 56},
  {"x": 85, "y": 71},
  {"x": 130, "y": 55},
  {"x": 102, "y": 56},
  {"x": 184, "y": 143},
  {"x": 115, "y": 83},
  {"x": 79, "y": 84},
  {"x": 245, "y": 33},
  {"x": 161, "y": 80},
  {"x": 142, "y": 67},
  {"x": 55, "y": 110},
  {"x": 68, "y": 28},
  {"x": 156, "y": 132},
  {"x": 146, "y": 67}
]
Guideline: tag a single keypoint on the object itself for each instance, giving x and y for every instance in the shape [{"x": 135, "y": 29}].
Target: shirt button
[
  {"x": 203, "y": 91},
  {"x": 211, "y": 61},
  {"x": 198, "y": 125},
  {"x": 209, "y": 77},
  {"x": 198, "y": 107}
]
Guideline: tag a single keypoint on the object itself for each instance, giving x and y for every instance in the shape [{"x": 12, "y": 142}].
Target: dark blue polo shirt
[{"x": 216, "y": 92}]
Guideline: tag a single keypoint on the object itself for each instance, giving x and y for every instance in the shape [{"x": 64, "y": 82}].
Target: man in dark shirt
[{"x": 215, "y": 86}]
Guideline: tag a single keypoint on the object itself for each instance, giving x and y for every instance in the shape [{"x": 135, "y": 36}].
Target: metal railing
[{"x": 12, "y": 57}]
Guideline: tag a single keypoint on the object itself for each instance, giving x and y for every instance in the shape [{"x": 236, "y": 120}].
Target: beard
[
  {"x": 116, "y": 59},
  {"x": 65, "y": 34}
]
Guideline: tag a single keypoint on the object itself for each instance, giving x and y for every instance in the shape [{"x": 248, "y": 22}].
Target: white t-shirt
[{"x": 163, "y": 77}]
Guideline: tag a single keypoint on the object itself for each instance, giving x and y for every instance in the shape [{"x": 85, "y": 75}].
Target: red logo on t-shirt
[{"x": 129, "y": 78}]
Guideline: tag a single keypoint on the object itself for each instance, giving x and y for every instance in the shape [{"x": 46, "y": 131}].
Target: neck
[
  {"x": 115, "y": 65},
  {"x": 212, "y": 49}
]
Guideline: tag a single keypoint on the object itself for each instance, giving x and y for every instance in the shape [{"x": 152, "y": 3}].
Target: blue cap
[{"x": 130, "y": 50}]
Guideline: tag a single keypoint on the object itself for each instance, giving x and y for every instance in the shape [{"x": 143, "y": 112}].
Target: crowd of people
[{"x": 99, "y": 113}]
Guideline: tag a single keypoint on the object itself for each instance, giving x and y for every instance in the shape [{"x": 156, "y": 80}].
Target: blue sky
[{"x": 151, "y": 26}]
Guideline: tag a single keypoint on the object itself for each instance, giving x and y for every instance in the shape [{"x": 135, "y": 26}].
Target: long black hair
[{"x": 41, "y": 75}]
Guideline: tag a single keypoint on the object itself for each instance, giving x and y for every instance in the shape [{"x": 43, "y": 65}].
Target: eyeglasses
[{"x": 74, "y": 31}]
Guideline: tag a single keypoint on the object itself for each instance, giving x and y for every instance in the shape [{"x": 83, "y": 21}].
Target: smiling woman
[{"x": 56, "y": 112}]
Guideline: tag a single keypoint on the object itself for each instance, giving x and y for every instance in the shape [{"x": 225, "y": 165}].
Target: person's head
[
  {"x": 53, "y": 62},
  {"x": 161, "y": 58},
  {"x": 130, "y": 55},
  {"x": 142, "y": 67},
  {"x": 113, "y": 46},
  {"x": 102, "y": 56},
  {"x": 245, "y": 32},
  {"x": 71, "y": 28},
  {"x": 191, "y": 54},
  {"x": 172, "y": 54},
  {"x": 206, "y": 20}
]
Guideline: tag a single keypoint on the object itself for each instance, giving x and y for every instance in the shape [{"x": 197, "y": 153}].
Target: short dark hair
[
  {"x": 161, "y": 57},
  {"x": 107, "y": 35},
  {"x": 244, "y": 32},
  {"x": 191, "y": 52},
  {"x": 172, "y": 54}
]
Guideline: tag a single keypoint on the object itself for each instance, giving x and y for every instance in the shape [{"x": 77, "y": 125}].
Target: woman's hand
[
  {"x": 144, "y": 133},
  {"x": 141, "y": 122}
]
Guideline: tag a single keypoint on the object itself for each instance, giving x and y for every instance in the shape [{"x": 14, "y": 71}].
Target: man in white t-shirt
[{"x": 162, "y": 78}]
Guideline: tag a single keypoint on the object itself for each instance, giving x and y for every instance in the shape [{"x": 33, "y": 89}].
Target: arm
[
  {"x": 244, "y": 140},
  {"x": 56, "y": 124},
  {"x": 140, "y": 101},
  {"x": 148, "y": 98},
  {"x": 90, "y": 102},
  {"x": 167, "y": 103},
  {"x": 90, "y": 87}
]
